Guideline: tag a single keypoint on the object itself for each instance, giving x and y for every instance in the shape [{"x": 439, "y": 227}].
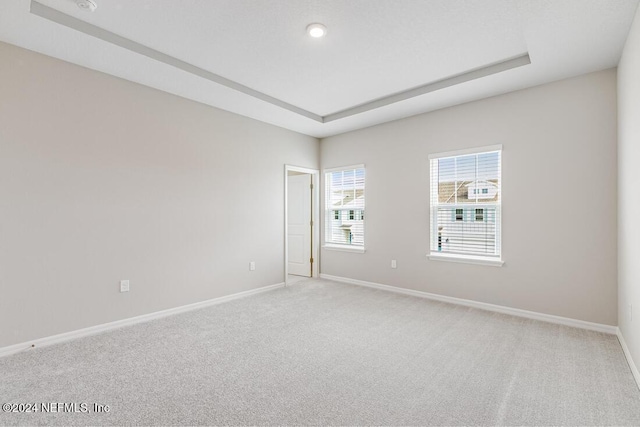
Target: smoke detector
[{"x": 88, "y": 5}]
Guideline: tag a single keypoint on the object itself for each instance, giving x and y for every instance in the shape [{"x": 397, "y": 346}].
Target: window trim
[
  {"x": 332, "y": 245},
  {"x": 466, "y": 259},
  {"x": 477, "y": 150},
  {"x": 489, "y": 260},
  {"x": 343, "y": 168},
  {"x": 344, "y": 248}
]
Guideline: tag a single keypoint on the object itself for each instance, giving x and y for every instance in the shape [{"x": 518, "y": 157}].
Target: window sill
[
  {"x": 466, "y": 259},
  {"x": 344, "y": 248}
]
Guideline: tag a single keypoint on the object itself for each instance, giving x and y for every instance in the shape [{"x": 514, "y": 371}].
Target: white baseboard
[
  {"x": 627, "y": 354},
  {"x": 549, "y": 318},
  {"x": 67, "y": 336}
]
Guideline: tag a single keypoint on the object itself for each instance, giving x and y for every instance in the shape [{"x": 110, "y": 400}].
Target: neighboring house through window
[
  {"x": 466, "y": 204},
  {"x": 345, "y": 206}
]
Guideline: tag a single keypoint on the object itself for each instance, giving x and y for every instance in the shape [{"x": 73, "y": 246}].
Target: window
[
  {"x": 466, "y": 205},
  {"x": 345, "y": 206}
]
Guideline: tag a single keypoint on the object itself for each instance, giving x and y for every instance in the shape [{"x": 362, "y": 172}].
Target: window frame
[
  {"x": 435, "y": 237},
  {"x": 357, "y": 212}
]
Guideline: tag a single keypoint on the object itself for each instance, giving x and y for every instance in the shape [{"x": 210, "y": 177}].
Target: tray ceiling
[{"x": 380, "y": 60}]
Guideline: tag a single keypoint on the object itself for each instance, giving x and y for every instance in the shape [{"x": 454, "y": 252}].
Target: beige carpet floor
[{"x": 324, "y": 353}]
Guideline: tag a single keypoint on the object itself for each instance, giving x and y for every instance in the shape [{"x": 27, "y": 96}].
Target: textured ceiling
[{"x": 373, "y": 49}]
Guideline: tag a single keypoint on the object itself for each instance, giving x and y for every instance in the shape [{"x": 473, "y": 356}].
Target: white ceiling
[{"x": 373, "y": 49}]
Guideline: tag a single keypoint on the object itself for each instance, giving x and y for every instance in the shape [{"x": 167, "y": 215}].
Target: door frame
[{"x": 315, "y": 217}]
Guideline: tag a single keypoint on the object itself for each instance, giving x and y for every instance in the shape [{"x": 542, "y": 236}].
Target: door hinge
[
  {"x": 311, "y": 186},
  {"x": 311, "y": 260},
  {"x": 311, "y": 223}
]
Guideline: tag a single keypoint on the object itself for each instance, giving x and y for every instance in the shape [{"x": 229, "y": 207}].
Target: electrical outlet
[
  {"x": 252, "y": 266},
  {"x": 393, "y": 263},
  {"x": 124, "y": 286}
]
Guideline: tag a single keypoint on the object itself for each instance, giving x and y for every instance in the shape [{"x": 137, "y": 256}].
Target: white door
[{"x": 299, "y": 224}]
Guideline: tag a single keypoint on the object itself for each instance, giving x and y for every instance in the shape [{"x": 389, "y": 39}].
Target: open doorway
[{"x": 301, "y": 224}]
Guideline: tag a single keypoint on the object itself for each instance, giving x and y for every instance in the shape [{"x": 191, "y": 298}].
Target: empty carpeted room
[{"x": 320, "y": 212}]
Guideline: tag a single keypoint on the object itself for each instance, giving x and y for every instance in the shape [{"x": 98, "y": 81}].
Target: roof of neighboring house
[
  {"x": 447, "y": 190},
  {"x": 481, "y": 183},
  {"x": 349, "y": 202}
]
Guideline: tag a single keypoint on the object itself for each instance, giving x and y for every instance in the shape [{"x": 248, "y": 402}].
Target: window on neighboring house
[
  {"x": 345, "y": 206},
  {"x": 466, "y": 182}
]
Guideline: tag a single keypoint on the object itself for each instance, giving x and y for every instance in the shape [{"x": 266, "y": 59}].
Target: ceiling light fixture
[
  {"x": 316, "y": 30},
  {"x": 88, "y": 5}
]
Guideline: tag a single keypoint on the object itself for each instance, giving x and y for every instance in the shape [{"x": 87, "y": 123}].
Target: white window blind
[
  {"x": 466, "y": 203},
  {"x": 345, "y": 207}
]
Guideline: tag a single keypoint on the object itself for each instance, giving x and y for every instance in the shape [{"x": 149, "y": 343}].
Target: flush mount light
[
  {"x": 88, "y": 5},
  {"x": 316, "y": 30}
]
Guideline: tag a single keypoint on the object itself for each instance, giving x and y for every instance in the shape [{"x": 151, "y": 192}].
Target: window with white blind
[
  {"x": 344, "y": 208},
  {"x": 466, "y": 205}
]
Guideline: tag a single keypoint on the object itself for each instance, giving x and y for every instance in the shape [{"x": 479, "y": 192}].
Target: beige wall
[
  {"x": 628, "y": 188},
  {"x": 102, "y": 180},
  {"x": 559, "y": 187}
]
